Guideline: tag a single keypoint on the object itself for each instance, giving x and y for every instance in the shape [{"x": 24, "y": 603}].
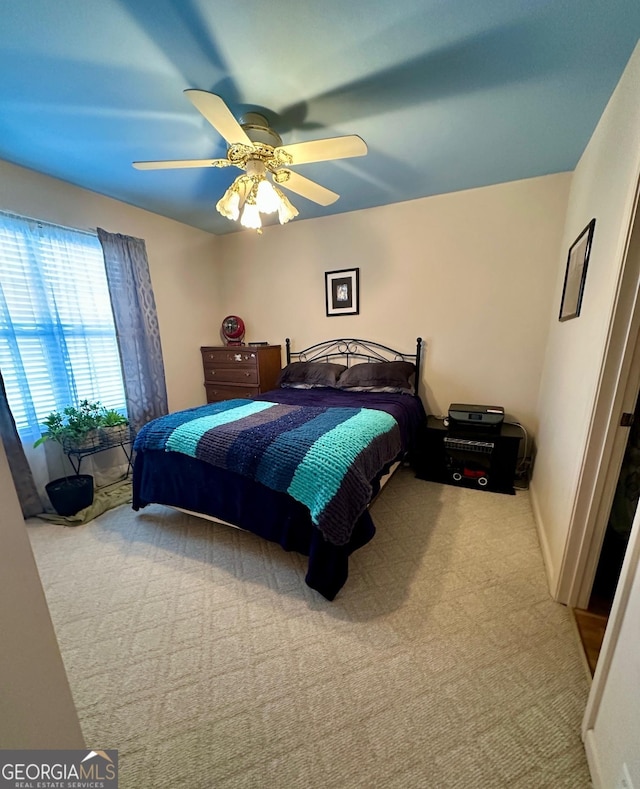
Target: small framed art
[
  {"x": 576, "y": 274},
  {"x": 342, "y": 291}
]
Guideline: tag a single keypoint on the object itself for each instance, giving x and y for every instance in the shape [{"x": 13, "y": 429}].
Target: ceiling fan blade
[
  {"x": 305, "y": 187},
  {"x": 175, "y": 164},
  {"x": 325, "y": 150},
  {"x": 213, "y": 108}
]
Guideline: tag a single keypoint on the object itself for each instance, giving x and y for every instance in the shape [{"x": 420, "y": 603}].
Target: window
[{"x": 57, "y": 337}]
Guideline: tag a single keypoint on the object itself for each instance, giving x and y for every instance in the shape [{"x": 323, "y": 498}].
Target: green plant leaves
[{"x": 73, "y": 424}]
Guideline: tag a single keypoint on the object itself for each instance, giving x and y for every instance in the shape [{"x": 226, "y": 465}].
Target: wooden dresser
[{"x": 239, "y": 370}]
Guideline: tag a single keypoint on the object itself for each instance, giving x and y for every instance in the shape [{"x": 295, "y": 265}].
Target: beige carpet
[{"x": 198, "y": 651}]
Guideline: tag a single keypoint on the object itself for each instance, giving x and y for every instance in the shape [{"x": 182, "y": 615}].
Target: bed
[{"x": 297, "y": 465}]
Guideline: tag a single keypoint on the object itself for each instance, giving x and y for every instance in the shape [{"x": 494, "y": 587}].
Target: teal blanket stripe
[
  {"x": 334, "y": 453},
  {"x": 294, "y": 444}
]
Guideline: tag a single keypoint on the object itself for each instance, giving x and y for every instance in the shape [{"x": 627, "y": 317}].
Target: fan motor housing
[{"x": 257, "y": 129}]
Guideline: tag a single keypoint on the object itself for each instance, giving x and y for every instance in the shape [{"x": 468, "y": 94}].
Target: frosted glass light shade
[
  {"x": 229, "y": 204},
  {"x": 286, "y": 211},
  {"x": 249, "y": 196},
  {"x": 267, "y": 198},
  {"x": 251, "y": 217}
]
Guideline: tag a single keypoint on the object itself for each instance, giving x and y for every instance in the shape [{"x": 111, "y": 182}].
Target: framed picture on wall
[
  {"x": 576, "y": 274},
  {"x": 342, "y": 291}
]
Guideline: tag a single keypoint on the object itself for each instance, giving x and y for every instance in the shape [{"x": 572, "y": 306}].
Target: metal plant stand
[{"x": 99, "y": 441}]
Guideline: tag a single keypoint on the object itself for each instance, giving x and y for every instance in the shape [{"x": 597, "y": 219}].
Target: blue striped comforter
[{"x": 324, "y": 457}]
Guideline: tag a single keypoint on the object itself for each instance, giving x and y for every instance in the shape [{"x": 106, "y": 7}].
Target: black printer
[{"x": 465, "y": 418}]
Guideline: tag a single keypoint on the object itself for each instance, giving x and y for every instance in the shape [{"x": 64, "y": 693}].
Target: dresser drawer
[
  {"x": 242, "y": 374},
  {"x": 217, "y": 393},
  {"x": 224, "y": 357},
  {"x": 239, "y": 371}
]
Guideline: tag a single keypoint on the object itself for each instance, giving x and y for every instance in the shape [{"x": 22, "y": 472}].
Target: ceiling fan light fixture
[{"x": 251, "y": 195}]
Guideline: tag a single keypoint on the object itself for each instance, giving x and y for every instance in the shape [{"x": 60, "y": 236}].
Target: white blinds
[{"x": 57, "y": 337}]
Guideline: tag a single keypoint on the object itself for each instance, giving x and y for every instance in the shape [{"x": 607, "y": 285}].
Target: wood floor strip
[{"x": 591, "y": 628}]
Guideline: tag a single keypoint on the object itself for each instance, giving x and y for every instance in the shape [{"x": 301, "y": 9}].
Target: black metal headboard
[{"x": 347, "y": 349}]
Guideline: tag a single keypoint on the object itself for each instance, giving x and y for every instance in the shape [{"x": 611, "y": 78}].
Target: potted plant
[
  {"x": 82, "y": 423},
  {"x": 114, "y": 427},
  {"x": 74, "y": 429}
]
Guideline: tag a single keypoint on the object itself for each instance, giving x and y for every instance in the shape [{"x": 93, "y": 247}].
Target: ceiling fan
[{"x": 257, "y": 149}]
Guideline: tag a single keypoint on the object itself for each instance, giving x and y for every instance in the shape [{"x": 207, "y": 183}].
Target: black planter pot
[{"x": 69, "y": 495}]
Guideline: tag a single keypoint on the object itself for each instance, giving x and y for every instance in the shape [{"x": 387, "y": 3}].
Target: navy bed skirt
[{"x": 182, "y": 481}]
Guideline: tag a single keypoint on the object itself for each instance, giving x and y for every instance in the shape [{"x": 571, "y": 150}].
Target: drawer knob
[{"x": 247, "y": 375}]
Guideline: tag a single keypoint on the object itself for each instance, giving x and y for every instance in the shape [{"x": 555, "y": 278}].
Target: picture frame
[
  {"x": 342, "y": 292},
  {"x": 576, "y": 273}
]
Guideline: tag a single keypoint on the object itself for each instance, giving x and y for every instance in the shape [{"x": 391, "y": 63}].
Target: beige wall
[
  {"x": 37, "y": 710},
  {"x": 603, "y": 187},
  {"x": 182, "y": 263},
  {"x": 472, "y": 273}
]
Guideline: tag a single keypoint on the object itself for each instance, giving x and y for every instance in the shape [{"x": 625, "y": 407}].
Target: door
[{"x": 623, "y": 510}]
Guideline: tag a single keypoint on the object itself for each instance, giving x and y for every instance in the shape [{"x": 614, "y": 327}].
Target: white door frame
[
  {"x": 630, "y": 568},
  {"x": 617, "y": 390},
  {"x": 611, "y": 473}
]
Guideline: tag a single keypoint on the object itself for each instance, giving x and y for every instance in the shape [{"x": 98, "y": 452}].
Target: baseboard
[
  {"x": 592, "y": 760},
  {"x": 542, "y": 539}
]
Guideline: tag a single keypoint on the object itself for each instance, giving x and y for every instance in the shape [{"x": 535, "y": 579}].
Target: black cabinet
[{"x": 480, "y": 460}]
